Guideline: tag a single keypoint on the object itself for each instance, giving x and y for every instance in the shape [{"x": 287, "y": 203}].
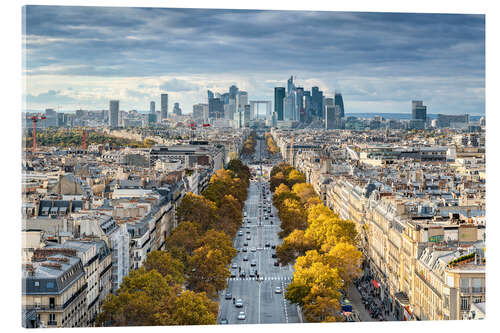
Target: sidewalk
[{"x": 357, "y": 304}]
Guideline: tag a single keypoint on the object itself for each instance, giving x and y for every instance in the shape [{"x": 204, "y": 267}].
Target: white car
[
  {"x": 253, "y": 249},
  {"x": 242, "y": 316},
  {"x": 277, "y": 290}
]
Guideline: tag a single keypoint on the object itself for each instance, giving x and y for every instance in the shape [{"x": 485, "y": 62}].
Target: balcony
[
  {"x": 52, "y": 323},
  {"x": 465, "y": 290},
  {"x": 478, "y": 290}
]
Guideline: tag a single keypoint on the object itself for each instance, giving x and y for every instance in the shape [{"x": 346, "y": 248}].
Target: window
[
  {"x": 478, "y": 299},
  {"x": 37, "y": 283},
  {"x": 464, "y": 304},
  {"x": 50, "y": 284}
]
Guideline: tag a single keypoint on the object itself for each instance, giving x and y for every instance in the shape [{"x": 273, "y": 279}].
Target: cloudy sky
[{"x": 81, "y": 57}]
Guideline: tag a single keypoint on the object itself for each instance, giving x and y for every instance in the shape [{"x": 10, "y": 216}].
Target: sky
[{"x": 82, "y": 57}]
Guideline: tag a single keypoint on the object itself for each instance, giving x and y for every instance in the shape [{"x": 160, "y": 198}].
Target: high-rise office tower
[
  {"x": 242, "y": 99},
  {"x": 307, "y": 105},
  {"x": 177, "y": 110},
  {"x": 152, "y": 107},
  {"x": 114, "y": 107},
  {"x": 300, "y": 115},
  {"x": 340, "y": 102},
  {"x": 279, "y": 96},
  {"x": 289, "y": 103},
  {"x": 164, "y": 106},
  {"x": 210, "y": 94},
  {"x": 290, "y": 86},
  {"x": 317, "y": 102},
  {"x": 215, "y": 109},
  {"x": 233, "y": 91},
  {"x": 333, "y": 118},
  {"x": 198, "y": 112},
  {"x": 418, "y": 110}
]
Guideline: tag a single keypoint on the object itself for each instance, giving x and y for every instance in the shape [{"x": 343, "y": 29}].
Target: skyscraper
[
  {"x": 114, "y": 106},
  {"x": 279, "y": 96},
  {"x": 317, "y": 102},
  {"x": 210, "y": 94},
  {"x": 333, "y": 118},
  {"x": 152, "y": 107},
  {"x": 340, "y": 102},
  {"x": 215, "y": 109},
  {"x": 177, "y": 110},
  {"x": 290, "y": 86},
  {"x": 418, "y": 110},
  {"x": 164, "y": 106},
  {"x": 233, "y": 91},
  {"x": 299, "y": 99},
  {"x": 289, "y": 104},
  {"x": 279, "y": 100}
]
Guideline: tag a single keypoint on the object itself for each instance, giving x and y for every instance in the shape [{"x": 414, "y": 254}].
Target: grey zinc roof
[{"x": 50, "y": 280}]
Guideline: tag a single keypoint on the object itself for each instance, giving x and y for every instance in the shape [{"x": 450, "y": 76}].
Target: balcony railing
[
  {"x": 52, "y": 323},
  {"x": 465, "y": 290},
  {"x": 478, "y": 289}
]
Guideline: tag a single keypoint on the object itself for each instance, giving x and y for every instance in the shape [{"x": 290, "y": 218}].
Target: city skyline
[{"x": 85, "y": 56}]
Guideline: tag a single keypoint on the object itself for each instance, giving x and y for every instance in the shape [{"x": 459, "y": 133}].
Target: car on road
[
  {"x": 242, "y": 316},
  {"x": 245, "y": 244},
  {"x": 248, "y": 231},
  {"x": 234, "y": 265},
  {"x": 228, "y": 295},
  {"x": 277, "y": 290},
  {"x": 253, "y": 249},
  {"x": 268, "y": 244},
  {"x": 240, "y": 233},
  {"x": 274, "y": 255},
  {"x": 273, "y": 246},
  {"x": 233, "y": 274},
  {"x": 223, "y": 321},
  {"x": 276, "y": 263},
  {"x": 239, "y": 303},
  {"x": 245, "y": 258},
  {"x": 252, "y": 274},
  {"x": 253, "y": 263},
  {"x": 243, "y": 274},
  {"x": 249, "y": 237}
]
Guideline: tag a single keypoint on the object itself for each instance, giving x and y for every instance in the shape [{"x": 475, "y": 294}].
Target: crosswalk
[{"x": 266, "y": 278}]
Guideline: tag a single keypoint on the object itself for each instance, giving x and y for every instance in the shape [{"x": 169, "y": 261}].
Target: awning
[{"x": 375, "y": 284}]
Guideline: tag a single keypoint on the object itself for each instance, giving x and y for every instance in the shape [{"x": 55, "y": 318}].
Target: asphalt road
[{"x": 261, "y": 303}]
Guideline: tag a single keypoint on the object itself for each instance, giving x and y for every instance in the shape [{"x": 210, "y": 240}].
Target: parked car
[
  {"x": 274, "y": 255},
  {"x": 276, "y": 263},
  {"x": 223, "y": 321},
  {"x": 277, "y": 290}
]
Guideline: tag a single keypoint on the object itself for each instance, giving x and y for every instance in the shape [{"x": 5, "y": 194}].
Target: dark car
[
  {"x": 245, "y": 258},
  {"x": 244, "y": 249},
  {"x": 228, "y": 295},
  {"x": 274, "y": 255},
  {"x": 268, "y": 244},
  {"x": 223, "y": 321},
  {"x": 242, "y": 274},
  {"x": 276, "y": 263},
  {"x": 245, "y": 244},
  {"x": 273, "y": 246}
]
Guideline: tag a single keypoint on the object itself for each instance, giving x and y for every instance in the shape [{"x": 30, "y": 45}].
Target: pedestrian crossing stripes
[{"x": 269, "y": 278}]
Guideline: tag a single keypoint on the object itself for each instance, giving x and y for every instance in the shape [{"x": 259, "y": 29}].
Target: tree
[
  {"x": 276, "y": 180},
  {"x": 197, "y": 209},
  {"x": 191, "y": 308},
  {"x": 230, "y": 216},
  {"x": 169, "y": 267},
  {"x": 347, "y": 259},
  {"x": 282, "y": 188},
  {"x": 218, "y": 240},
  {"x": 294, "y": 245},
  {"x": 208, "y": 271},
  {"x": 295, "y": 177},
  {"x": 184, "y": 237},
  {"x": 304, "y": 191},
  {"x": 292, "y": 217},
  {"x": 138, "y": 300}
]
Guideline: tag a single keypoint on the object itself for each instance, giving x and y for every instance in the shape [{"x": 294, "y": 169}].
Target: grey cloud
[{"x": 176, "y": 85}]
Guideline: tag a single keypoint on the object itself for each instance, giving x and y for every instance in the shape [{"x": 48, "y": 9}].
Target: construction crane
[{"x": 35, "y": 120}]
